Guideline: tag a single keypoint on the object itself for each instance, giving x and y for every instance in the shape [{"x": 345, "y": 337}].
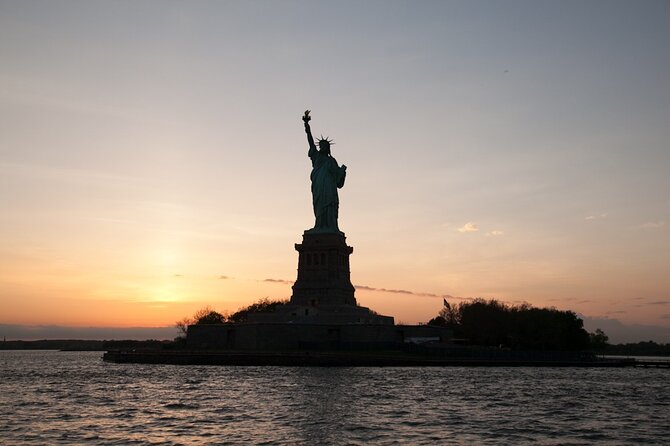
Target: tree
[
  {"x": 484, "y": 322},
  {"x": 493, "y": 323},
  {"x": 447, "y": 317},
  {"x": 263, "y": 305},
  {"x": 438, "y": 321},
  {"x": 205, "y": 315},
  {"x": 182, "y": 324},
  {"x": 598, "y": 339}
]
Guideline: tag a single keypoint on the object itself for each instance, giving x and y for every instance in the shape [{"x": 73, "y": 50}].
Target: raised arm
[{"x": 306, "y": 118}]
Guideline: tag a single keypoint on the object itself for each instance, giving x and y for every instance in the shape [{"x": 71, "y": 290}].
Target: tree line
[
  {"x": 645, "y": 348},
  {"x": 477, "y": 322},
  {"x": 208, "y": 315},
  {"x": 523, "y": 327}
]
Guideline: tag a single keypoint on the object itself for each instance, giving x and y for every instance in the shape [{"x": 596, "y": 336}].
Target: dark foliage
[
  {"x": 648, "y": 348},
  {"x": 212, "y": 317},
  {"x": 598, "y": 340},
  {"x": 207, "y": 315},
  {"x": 438, "y": 321},
  {"x": 492, "y": 323},
  {"x": 264, "y": 305}
]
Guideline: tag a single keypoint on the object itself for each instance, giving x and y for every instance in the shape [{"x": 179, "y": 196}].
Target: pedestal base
[
  {"x": 323, "y": 293},
  {"x": 323, "y": 271}
]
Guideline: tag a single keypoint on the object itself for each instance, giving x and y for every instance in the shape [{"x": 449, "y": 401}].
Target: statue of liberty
[{"x": 326, "y": 178}]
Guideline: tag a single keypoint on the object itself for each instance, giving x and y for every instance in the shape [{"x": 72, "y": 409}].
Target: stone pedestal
[
  {"x": 323, "y": 293},
  {"x": 324, "y": 277}
]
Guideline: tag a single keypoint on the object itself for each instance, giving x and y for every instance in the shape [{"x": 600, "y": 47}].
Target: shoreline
[{"x": 350, "y": 359}]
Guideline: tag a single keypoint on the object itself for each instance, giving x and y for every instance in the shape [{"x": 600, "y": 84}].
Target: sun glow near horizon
[{"x": 154, "y": 163}]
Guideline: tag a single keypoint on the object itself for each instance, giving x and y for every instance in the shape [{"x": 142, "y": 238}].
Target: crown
[{"x": 327, "y": 140}]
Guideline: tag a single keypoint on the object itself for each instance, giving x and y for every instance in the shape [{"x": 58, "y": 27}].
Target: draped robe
[{"x": 326, "y": 178}]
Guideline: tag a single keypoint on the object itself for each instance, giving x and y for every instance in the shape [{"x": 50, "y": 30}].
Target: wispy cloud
[
  {"x": 665, "y": 316},
  {"x": 369, "y": 288},
  {"x": 494, "y": 233},
  {"x": 382, "y": 290},
  {"x": 595, "y": 216},
  {"x": 278, "y": 281},
  {"x": 469, "y": 227},
  {"x": 654, "y": 302},
  {"x": 410, "y": 293},
  {"x": 385, "y": 290},
  {"x": 222, "y": 277},
  {"x": 448, "y": 297},
  {"x": 652, "y": 225}
]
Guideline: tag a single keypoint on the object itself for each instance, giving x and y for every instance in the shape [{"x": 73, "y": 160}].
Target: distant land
[
  {"x": 617, "y": 331},
  {"x": 629, "y": 349},
  {"x": 37, "y": 332},
  {"x": 86, "y": 345}
]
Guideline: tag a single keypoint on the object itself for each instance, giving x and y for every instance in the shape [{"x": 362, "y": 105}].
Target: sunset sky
[{"x": 153, "y": 159}]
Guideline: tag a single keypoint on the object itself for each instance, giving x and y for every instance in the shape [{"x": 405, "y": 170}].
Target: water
[{"x": 60, "y": 398}]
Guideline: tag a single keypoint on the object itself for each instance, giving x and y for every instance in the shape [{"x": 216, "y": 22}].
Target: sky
[{"x": 153, "y": 158}]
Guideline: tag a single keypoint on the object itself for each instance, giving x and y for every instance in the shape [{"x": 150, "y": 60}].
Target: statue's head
[{"x": 324, "y": 145}]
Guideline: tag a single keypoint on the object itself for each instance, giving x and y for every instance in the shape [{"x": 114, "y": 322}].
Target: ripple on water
[{"x": 75, "y": 398}]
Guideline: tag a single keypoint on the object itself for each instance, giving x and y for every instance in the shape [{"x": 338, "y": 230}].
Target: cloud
[
  {"x": 365, "y": 287},
  {"x": 652, "y": 225},
  {"x": 386, "y": 290},
  {"x": 665, "y": 316},
  {"x": 562, "y": 299},
  {"x": 278, "y": 281},
  {"x": 410, "y": 293},
  {"x": 224, "y": 277},
  {"x": 469, "y": 227},
  {"x": 449, "y": 297},
  {"x": 494, "y": 233},
  {"x": 177, "y": 275},
  {"x": 383, "y": 290},
  {"x": 654, "y": 302},
  {"x": 596, "y": 216}
]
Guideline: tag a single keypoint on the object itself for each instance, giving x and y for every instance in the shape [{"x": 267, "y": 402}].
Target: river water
[{"x": 67, "y": 398}]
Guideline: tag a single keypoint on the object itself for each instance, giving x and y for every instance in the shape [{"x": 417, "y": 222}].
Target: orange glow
[{"x": 145, "y": 176}]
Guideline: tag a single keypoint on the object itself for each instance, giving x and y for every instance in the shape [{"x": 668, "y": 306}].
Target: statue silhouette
[{"x": 326, "y": 178}]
